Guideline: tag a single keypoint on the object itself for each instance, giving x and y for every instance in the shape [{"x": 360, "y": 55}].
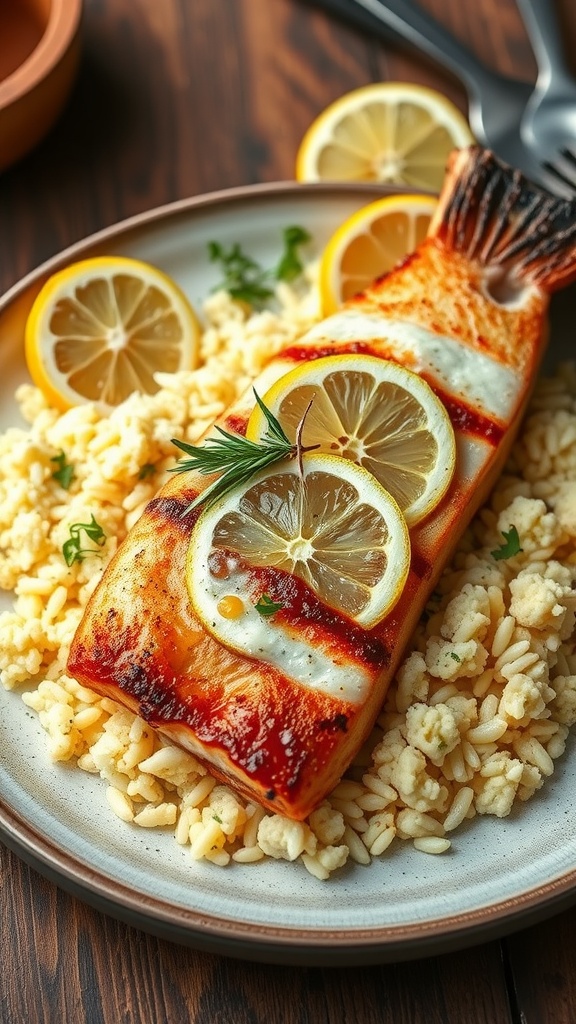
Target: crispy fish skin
[{"x": 466, "y": 311}]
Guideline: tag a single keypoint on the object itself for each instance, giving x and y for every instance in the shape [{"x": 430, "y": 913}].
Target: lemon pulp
[
  {"x": 372, "y": 412},
  {"x": 370, "y": 243},
  {"x": 389, "y": 131},
  {"x": 334, "y": 527},
  {"x": 102, "y": 328}
]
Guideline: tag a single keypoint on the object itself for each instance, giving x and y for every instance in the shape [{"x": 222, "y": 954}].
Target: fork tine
[
  {"x": 569, "y": 155},
  {"x": 563, "y": 171}
]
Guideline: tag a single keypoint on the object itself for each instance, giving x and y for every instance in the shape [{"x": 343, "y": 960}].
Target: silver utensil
[
  {"x": 496, "y": 103},
  {"x": 548, "y": 126}
]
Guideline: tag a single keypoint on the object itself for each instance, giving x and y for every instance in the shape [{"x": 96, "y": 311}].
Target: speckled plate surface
[{"x": 499, "y": 875}]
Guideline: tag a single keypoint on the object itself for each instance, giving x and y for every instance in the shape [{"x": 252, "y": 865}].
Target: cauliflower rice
[{"x": 480, "y": 708}]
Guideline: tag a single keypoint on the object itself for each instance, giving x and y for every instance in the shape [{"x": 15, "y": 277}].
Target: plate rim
[
  {"x": 274, "y": 943},
  {"x": 245, "y": 939},
  {"x": 236, "y": 194}
]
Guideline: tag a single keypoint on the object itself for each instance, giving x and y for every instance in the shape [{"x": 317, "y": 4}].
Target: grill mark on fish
[
  {"x": 338, "y": 722},
  {"x": 302, "y": 609},
  {"x": 419, "y": 565},
  {"x": 264, "y": 737},
  {"x": 304, "y": 353},
  {"x": 463, "y": 416},
  {"x": 175, "y": 510},
  {"x": 237, "y": 424},
  {"x": 467, "y": 419}
]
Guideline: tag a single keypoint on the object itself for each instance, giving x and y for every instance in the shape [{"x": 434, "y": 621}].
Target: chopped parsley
[
  {"x": 267, "y": 607},
  {"x": 290, "y": 265},
  {"x": 146, "y": 470},
  {"x": 72, "y": 549},
  {"x": 244, "y": 279},
  {"x": 455, "y": 656},
  {"x": 510, "y": 547},
  {"x": 64, "y": 474}
]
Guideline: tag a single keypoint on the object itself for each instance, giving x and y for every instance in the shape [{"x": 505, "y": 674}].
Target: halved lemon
[
  {"x": 390, "y": 132},
  {"x": 101, "y": 328},
  {"x": 373, "y": 412},
  {"x": 370, "y": 243},
  {"x": 333, "y": 526}
]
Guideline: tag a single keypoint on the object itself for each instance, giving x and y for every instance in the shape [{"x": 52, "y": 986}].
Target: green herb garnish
[
  {"x": 244, "y": 279},
  {"x": 72, "y": 550},
  {"x": 64, "y": 474},
  {"x": 235, "y": 458},
  {"x": 455, "y": 656},
  {"x": 290, "y": 265},
  {"x": 146, "y": 470},
  {"x": 510, "y": 547},
  {"x": 267, "y": 607}
]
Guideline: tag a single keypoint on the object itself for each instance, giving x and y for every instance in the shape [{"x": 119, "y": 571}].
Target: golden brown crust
[
  {"x": 442, "y": 292},
  {"x": 139, "y": 640}
]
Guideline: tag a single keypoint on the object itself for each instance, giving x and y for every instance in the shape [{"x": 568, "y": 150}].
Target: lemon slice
[
  {"x": 334, "y": 527},
  {"x": 101, "y": 328},
  {"x": 390, "y": 132},
  {"x": 370, "y": 243},
  {"x": 375, "y": 413}
]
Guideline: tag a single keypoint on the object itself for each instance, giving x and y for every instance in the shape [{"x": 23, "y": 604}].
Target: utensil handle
[
  {"x": 423, "y": 31},
  {"x": 543, "y": 30}
]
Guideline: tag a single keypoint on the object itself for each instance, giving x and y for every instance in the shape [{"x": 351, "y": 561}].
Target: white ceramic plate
[{"x": 498, "y": 875}]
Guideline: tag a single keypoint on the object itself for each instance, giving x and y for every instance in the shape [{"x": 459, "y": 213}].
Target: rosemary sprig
[{"x": 235, "y": 458}]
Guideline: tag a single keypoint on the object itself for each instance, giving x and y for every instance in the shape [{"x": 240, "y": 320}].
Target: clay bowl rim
[{"x": 61, "y": 27}]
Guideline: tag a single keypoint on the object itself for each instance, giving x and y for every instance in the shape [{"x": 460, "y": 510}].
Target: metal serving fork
[
  {"x": 496, "y": 103},
  {"x": 549, "y": 122}
]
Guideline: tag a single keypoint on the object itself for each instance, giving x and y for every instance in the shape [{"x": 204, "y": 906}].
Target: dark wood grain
[
  {"x": 543, "y": 965},
  {"x": 58, "y": 953},
  {"x": 176, "y": 98}
]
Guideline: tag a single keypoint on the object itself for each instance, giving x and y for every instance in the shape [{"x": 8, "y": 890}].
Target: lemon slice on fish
[
  {"x": 390, "y": 131},
  {"x": 370, "y": 243},
  {"x": 375, "y": 413},
  {"x": 101, "y": 328},
  {"x": 331, "y": 526}
]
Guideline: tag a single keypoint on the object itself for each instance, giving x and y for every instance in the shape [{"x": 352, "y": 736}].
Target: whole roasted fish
[{"x": 467, "y": 312}]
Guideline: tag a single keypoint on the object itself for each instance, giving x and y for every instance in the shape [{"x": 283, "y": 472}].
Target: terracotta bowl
[{"x": 38, "y": 62}]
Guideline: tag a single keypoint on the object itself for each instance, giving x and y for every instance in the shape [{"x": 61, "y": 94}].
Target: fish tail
[{"x": 494, "y": 217}]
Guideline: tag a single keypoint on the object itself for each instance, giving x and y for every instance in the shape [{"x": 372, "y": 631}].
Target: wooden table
[{"x": 175, "y": 98}]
